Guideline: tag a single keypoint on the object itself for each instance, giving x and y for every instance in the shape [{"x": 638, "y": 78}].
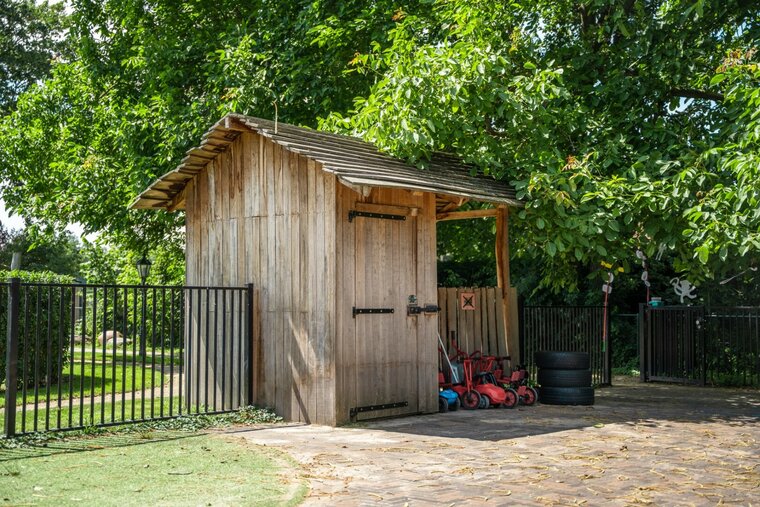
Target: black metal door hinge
[
  {"x": 371, "y": 408},
  {"x": 359, "y": 311},
  {"x": 367, "y": 214}
]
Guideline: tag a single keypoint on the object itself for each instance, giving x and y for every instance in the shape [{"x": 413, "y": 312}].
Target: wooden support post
[{"x": 502, "y": 276}]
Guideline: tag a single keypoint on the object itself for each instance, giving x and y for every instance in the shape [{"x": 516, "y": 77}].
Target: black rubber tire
[
  {"x": 443, "y": 405},
  {"x": 567, "y": 395},
  {"x": 564, "y": 378},
  {"x": 562, "y": 360},
  {"x": 455, "y": 406}
]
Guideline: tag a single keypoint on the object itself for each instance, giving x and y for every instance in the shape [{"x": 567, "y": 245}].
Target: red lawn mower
[{"x": 478, "y": 388}]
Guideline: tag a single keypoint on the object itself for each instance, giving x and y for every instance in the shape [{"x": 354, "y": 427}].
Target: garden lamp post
[{"x": 143, "y": 269}]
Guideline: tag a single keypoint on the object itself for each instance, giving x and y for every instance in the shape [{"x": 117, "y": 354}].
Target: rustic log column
[{"x": 502, "y": 276}]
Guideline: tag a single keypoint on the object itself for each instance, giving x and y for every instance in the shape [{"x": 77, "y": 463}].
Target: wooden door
[{"x": 386, "y": 343}]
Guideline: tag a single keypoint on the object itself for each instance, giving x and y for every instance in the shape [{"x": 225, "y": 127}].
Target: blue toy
[{"x": 447, "y": 400}]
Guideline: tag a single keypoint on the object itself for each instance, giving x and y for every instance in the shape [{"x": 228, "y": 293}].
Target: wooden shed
[{"x": 339, "y": 241}]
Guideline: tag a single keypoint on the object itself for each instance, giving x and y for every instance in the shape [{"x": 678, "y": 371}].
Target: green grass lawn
[
  {"x": 89, "y": 378},
  {"x": 152, "y": 468},
  {"x": 95, "y": 414}
]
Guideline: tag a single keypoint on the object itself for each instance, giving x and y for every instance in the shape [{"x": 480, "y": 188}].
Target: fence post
[
  {"x": 249, "y": 341},
  {"x": 642, "y": 343},
  {"x": 521, "y": 327},
  {"x": 608, "y": 354},
  {"x": 11, "y": 357},
  {"x": 703, "y": 333}
]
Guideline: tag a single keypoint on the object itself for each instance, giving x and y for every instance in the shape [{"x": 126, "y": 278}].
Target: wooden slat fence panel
[{"x": 481, "y": 329}]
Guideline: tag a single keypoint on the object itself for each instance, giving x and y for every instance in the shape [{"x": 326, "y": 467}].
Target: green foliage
[
  {"x": 622, "y": 125},
  {"x": 123, "y": 310},
  {"x": 44, "y": 321},
  {"x": 58, "y": 253},
  {"x": 466, "y": 252},
  {"x": 31, "y": 35},
  {"x": 146, "y": 82}
]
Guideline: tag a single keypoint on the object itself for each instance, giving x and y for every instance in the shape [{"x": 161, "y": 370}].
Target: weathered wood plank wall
[{"x": 261, "y": 214}]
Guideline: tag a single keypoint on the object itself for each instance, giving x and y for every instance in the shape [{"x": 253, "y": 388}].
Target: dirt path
[{"x": 640, "y": 444}]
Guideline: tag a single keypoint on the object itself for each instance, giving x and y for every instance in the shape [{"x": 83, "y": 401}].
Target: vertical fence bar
[
  {"x": 162, "y": 339},
  {"x": 143, "y": 349},
  {"x": 198, "y": 351},
  {"x": 233, "y": 337},
  {"x": 224, "y": 348},
  {"x": 25, "y": 354},
  {"x": 171, "y": 357},
  {"x": 703, "y": 332},
  {"x": 608, "y": 357},
  {"x": 153, "y": 353},
  {"x": 241, "y": 347},
  {"x": 11, "y": 356},
  {"x": 94, "y": 352},
  {"x": 61, "y": 325},
  {"x": 135, "y": 339},
  {"x": 642, "y": 343},
  {"x": 249, "y": 342},
  {"x": 48, "y": 355},
  {"x": 72, "y": 356},
  {"x": 188, "y": 356},
  {"x": 124, "y": 350},
  {"x": 184, "y": 324},
  {"x": 36, "y": 352},
  {"x": 114, "y": 350},
  {"x": 214, "y": 379},
  {"x": 105, "y": 355}
]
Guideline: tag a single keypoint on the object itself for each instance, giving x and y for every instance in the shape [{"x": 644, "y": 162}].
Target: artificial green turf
[{"x": 161, "y": 468}]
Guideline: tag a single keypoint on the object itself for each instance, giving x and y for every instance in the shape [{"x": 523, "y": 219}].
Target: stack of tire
[{"x": 564, "y": 378}]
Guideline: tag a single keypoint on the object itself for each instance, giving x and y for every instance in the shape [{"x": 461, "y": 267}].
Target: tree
[
  {"x": 31, "y": 36},
  {"x": 145, "y": 83},
  {"x": 622, "y": 124},
  {"x": 59, "y": 254}
]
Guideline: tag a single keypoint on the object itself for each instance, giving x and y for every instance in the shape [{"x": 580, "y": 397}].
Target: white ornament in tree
[{"x": 683, "y": 288}]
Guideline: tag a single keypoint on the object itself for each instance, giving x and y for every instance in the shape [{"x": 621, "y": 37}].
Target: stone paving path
[{"x": 639, "y": 444}]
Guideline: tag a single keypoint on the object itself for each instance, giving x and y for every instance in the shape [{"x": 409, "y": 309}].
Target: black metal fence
[
  {"x": 85, "y": 355},
  {"x": 694, "y": 344},
  {"x": 566, "y": 328}
]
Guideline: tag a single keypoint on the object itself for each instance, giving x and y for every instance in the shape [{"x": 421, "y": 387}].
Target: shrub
[{"x": 44, "y": 326}]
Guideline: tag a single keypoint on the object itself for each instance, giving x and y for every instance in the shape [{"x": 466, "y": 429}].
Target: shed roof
[{"x": 353, "y": 161}]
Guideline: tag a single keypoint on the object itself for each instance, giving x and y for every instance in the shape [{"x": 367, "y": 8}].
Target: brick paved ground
[{"x": 652, "y": 444}]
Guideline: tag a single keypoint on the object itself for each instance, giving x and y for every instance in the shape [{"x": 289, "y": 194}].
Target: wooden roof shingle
[{"x": 353, "y": 161}]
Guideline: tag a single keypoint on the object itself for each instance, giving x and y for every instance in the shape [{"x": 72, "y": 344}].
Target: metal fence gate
[
  {"x": 566, "y": 328},
  {"x": 698, "y": 345},
  {"x": 98, "y": 355}
]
